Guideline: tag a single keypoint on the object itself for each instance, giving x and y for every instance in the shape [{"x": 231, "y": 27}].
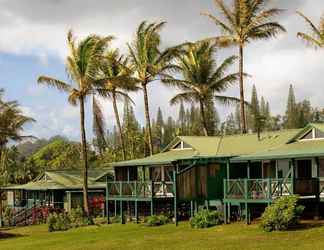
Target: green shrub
[
  {"x": 8, "y": 216},
  {"x": 156, "y": 220},
  {"x": 282, "y": 214},
  {"x": 206, "y": 218},
  {"x": 77, "y": 217},
  {"x": 58, "y": 222}
]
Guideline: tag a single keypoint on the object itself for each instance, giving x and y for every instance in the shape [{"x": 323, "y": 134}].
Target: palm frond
[
  {"x": 52, "y": 82},
  {"x": 189, "y": 97}
]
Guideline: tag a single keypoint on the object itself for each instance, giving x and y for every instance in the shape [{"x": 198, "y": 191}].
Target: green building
[{"x": 238, "y": 174}]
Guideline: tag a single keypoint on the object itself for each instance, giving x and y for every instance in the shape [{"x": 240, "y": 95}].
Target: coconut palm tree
[
  {"x": 12, "y": 122},
  {"x": 316, "y": 37},
  {"x": 202, "y": 79},
  {"x": 116, "y": 81},
  {"x": 82, "y": 66},
  {"x": 149, "y": 63},
  {"x": 243, "y": 22}
]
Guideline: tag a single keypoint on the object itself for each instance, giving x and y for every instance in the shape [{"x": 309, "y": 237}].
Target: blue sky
[{"x": 32, "y": 43}]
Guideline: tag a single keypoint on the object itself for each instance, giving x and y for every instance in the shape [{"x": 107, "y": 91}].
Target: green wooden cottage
[
  {"x": 61, "y": 189},
  {"x": 240, "y": 174}
]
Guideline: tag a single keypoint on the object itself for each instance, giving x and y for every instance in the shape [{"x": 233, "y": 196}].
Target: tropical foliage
[
  {"x": 203, "y": 81},
  {"x": 316, "y": 36},
  {"x": 244, "y": 21},
  {"x": 149, "y": 62},
  {"x": 282, "y": 214},
  {"x": 82, "y": 65},
  {"x": 116, "y": 83}
]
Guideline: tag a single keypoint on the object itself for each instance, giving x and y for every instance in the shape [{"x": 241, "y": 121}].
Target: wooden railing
[
  {"x": 256, "y": 189},
  {"x": 139, "y": 189}
]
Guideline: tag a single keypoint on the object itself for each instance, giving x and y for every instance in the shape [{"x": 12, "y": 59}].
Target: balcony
[
  {"x": 140, "y": 190},
  {"x": 256, "y": 190}
]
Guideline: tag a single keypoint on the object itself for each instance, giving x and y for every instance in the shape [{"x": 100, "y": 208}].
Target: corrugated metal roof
[
  {"x": 161, "y": 158},
  {"x": 215, "y": 146},
  {"x": 297, "y": 149},
  {"x": 64, "y": 180}
]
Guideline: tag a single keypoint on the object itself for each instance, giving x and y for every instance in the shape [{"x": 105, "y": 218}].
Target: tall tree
[
  {"x": 158, "y": 129},
  {"x": 82, "y": 65},
  {"x": 291, "y": 111},
  {"x": 202, "y": 79},
  {"x": 149, "y": 62},
  {"x": 169, "y": 132},
  {"x": 132, "y": 131},
  {"x": 255, "y": 109},
  {"x": 182, "y": 120},
  {"x": 316, "y": 37},
  {"x": 115, "y": 84},
  {"x": 244, "y": 21}
]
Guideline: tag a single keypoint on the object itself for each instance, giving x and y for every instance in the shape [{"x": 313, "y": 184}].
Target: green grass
[{"x": 131, "y": 236}]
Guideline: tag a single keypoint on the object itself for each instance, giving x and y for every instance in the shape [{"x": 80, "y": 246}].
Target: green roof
[
  {"x": 65, "y": 180},
  {"x": 214, "y": 146},
  {"x": 165, "y": 158},
  {"x": 298, "y": 149}
]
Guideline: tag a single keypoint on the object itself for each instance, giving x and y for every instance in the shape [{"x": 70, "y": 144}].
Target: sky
[{"x": 33, "y": 43}]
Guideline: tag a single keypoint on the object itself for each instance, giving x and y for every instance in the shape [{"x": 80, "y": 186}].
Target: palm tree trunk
[
  {"x": 242, "y": 106},
  {"x": 121, "y": 136},
  {"x": 84, "y": 158},
  {"x": 147, "y": 117},
  {"x": 203, "y": 117}
]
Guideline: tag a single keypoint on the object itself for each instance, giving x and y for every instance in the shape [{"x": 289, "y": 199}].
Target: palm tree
[
  {"x": 316, "y": 38},
  {"x": 149, "y": 62},
  {"x": 202, "y": 80},
  {"x": 116, "y": 81},
  {"x": 12, "y": 122},
  {"x": 82, "y": 66},
  {"x": 245, "y": 21}
]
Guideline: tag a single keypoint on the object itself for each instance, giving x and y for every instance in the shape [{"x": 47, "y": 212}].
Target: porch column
[
  {"x": 69, "y": 200},
  {"x": 292, "y": 166},
  {"x": 107, "y": 200},
  {"x": 175, "y": 171}
]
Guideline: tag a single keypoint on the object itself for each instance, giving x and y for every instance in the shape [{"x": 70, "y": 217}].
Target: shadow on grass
[
  {"x": 305, "y": 225},
  {"x": 5, "y": 235}
]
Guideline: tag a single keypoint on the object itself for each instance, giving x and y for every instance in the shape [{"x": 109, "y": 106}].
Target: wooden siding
[{"x": 192, "y": 184}]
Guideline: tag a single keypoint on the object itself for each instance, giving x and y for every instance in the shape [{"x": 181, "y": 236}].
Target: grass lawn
[{"x": 131, "y": 236}]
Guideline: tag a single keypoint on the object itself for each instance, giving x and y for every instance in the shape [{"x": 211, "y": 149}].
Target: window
[
  {"x": 182, "y": 145},
  {"x": 313, "y": 134}
]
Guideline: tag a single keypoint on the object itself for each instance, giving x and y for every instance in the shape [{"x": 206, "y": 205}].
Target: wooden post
[
  {"x": 122, "y": 213},
  {"x": 69, "y": 200},
  {"x": 225, "y": 213},
  {"x": 175, "y": 195},
  {"x": 246, "y": 213},
  {"x": 1, "y": 208},
  {"x": 191, "y": 209},
  {"x": 115, "y": 208},
  {"x": 107, "y": 200},
  {"x": 228, "y": 169},
  {"x": 152, "y": 207},
  {"x": 136, "y": 211},
  {"x": 292, "y": 165}
]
